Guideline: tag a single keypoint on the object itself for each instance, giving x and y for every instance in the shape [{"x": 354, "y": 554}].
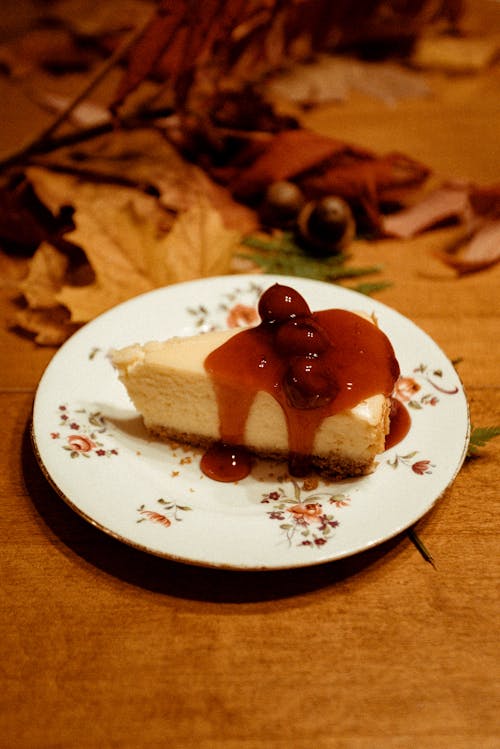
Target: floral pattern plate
[{"x": 93, "y": 448}]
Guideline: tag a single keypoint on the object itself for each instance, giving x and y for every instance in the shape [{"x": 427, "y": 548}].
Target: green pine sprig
[
  {"x": 282, "y": 255},
  {"x": 420, "y": 546},
  {"x": 479, "y": 437},
  {"x": 370, "y": 287}
]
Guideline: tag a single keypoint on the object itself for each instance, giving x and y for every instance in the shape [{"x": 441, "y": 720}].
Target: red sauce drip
[
  {"x": 314, "y": 364},
  {"x": 226, "y": 463},
  {"x": 400, "y": 423}
]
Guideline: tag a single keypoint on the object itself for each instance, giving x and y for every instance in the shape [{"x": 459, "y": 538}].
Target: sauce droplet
[
  {"x": 226, "y": 463},
  {"x": 400, "y": 422}
]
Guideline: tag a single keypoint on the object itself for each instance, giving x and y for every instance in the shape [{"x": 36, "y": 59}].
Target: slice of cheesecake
[{"x": 256, "y": 388}]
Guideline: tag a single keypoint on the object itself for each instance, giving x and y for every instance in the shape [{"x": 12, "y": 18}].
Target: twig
[
  {"x": 94, "y": 176},
  {"x": 87, "y": 133},
  {"x": 34, "y": 144}
]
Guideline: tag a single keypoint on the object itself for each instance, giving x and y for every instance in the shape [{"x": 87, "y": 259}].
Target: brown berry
[{"x": 282, "y": 203}]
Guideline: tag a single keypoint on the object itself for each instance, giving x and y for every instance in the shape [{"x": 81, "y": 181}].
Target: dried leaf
[
  {"x": 96, "y": 20},
  {"x": 287, "y": 155},
  {"x": 236, "y": 42},
  {"x": 45, "y": 277},
  {"x": 367, "y": 182},
  {"x": 147, "y": 51},
  {"x": 52, "y": 49},
  {"x": 485, "y": 201},
  {"x": 131, "y": 242},
  {"x": 444, "y": 203},
  {"x": 23, "y": 220},
  {"x": 324, "y": 166},
  {"x": 50, "y": 327},
  {"x": 198, "y": 245},
  {"x": 479, "y": 251},
  {"x": 144, "y": 158},
  {"x": 455, "y": 54},
  {"x": 334, "y": 78},
  {"x": 475, "y": 209}
]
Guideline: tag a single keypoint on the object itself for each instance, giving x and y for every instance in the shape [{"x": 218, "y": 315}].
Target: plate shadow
[{"x": 174, "y": 578}]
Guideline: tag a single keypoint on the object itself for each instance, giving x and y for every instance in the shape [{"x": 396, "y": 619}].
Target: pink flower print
[
  {"x": 276, "y": 515},
  {"x": 421, "y": 467},
  {"x": 81, "y": 443},
  {"x": 303, "y": 520},
  {"x": 405, "y": 389},
  {"x": 241, "y": 315},
  {"x": 272, "y": 496},
  {"x": 156, "y": 517},
  {"x": 307, "y": 513}
]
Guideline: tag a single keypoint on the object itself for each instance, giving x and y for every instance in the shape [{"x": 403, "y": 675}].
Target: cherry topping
[
  {"x": 300, "y": 337},
  {"x": 307, "y": 384},
  {"x": 280, "y": 303}
]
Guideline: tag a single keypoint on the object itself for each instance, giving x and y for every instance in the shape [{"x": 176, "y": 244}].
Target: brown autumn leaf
[
  {"x": 198, "y": 245},
  {"x": 96, "y": 20},
  {"x": 456, "y": 54},
  {"x": 462, "y": 202},
  {"x": 24, "y": 222},
  {"x": 50, "y": 327},
  {"x": 45, "y": 277},
  {"x": 485, "y": 200},
  {"x": 287, "y": 155},
  {"x": 366, "y": 183},
  {"x": 239, "y": 41},
  {"x": 130, "y": 242},
  {"x": 479, "y": 250},
  {"x": 51, "y": 49},
  {"x": 334, "y": 78},
  {"x": 445, "y": 203},
  {"x": 50, "y": 269},
  {"x": 326, "y": 166},
  {"x": 144, "y": 158},
  {"x": 475, "y": 210}
]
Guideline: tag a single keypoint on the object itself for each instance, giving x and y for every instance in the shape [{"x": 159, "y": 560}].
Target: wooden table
[{"x": 105, "y": 646}]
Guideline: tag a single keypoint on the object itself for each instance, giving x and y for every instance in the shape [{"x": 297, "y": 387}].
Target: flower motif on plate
[
  {"x": 83, "y": 433},
  {"x": 303, "y": 516},
  {"x": 170, "y": 512}
]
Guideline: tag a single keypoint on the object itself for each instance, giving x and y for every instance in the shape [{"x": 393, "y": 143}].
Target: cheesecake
[{"x": 312, "y": 388}]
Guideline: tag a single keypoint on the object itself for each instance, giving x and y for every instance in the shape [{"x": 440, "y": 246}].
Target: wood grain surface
[{"x": 104, "y": 646}]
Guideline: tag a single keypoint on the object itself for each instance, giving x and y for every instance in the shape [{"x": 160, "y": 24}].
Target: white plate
[{"x": 94, "y": 450}]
